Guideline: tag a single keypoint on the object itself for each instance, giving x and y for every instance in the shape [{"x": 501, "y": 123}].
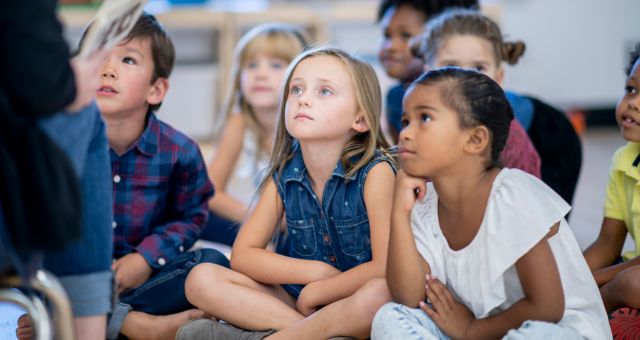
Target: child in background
[
  {"x": 402, "y": 20},
  {"x": 468, "y": 39},
  {"x": 160, "y": 189},
  {"x": 332, "y": 183},
  {"x": 261, "y": 59},
  {"x": 489, "y": 247},
  {"x": 620, "y": 283}
]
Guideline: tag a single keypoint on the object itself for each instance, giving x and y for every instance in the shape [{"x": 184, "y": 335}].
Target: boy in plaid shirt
[{"x": 160, "y": 189}]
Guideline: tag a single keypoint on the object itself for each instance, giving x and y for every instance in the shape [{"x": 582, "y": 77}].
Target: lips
[
  {"x": 302, "y": 116},
  {"x": 627, "y": 121},
  {"x": 106, "y": 90},
  {"x": 403, "y": 151}
]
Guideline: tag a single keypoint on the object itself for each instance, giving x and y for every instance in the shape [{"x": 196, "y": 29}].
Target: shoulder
[
  {"x": 517, "y": 196},
  {"x": 625, "y": 155},
  {"x": 182, "y": 148}
]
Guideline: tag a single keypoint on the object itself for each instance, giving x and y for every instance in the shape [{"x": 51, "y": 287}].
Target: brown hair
[
  {"x": 279, "y": 40},
  {"x": 362, "y": 146},
  {"x": 466, "y": 22},
  {"x": 162, "y": 49}
]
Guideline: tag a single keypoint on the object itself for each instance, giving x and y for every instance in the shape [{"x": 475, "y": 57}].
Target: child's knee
[
  {"x": 628, "y": 283},
  {"x": 201, "y": 278}
]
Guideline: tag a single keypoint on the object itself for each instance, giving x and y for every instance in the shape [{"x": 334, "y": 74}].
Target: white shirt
[
  {"x": 248, "y": 172},
  {"x": 520, "y": 212}
]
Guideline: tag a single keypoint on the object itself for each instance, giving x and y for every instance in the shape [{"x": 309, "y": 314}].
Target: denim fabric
[
  {"x": 396, "y": 321},
  {"x": 336, "y": 230},
  {"x": 163, "y": 293},
  {"x": 219, "y": 229},
  {"x": 88, "y": 261}
]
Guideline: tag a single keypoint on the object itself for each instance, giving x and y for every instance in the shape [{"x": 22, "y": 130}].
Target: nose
[
  {"x": 406, "y": 133},
  {"x": 304, "y": 100},
  {"x": 108, "y": 70}
]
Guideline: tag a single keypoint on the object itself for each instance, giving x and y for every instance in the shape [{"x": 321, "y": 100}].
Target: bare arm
[
  {"x": 606, "y": 249},
  {"x": 406, "y": 268},
  {"x": 378, "y": 190},
  {"x": 221, "y": 167},
  {"x": 250, "y": 257}
]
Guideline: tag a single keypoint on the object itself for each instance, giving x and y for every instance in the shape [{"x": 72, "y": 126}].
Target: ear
[
  {"x": 477, "y": 140},
  {"x": 157, "y": 91},
  {"x": 360, "y": 124},
  {"x": 500, "y": 75}
]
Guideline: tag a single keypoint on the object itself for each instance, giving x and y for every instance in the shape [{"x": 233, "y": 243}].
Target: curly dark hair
[
  {"x": 633, "y": 58},
  {"x": 427, "y": 7}
]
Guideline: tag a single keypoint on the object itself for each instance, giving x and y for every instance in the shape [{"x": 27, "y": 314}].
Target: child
[
  {"x": 620, "y": 283},
  {"x": 490, "y": 247},
  {"x": 468, "y": 39},
  {"x": 332, "y": 184},
  {"x": 160, "y": 189},
  {"x": 262, "y": 57},
  {"x": 401, "y": 21}
]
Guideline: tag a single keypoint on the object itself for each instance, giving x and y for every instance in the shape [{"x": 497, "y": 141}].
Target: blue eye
[
  {"x": 251, "y": 65},
  {"x": 479, "y": 68},
  {"x": 277, "y": 65},
  {"x": 325, "y": 92},
  {"x": 128, "y": 60},
  {"x": 296, "y": 90}
]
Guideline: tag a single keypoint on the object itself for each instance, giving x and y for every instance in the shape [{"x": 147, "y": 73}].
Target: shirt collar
[
  {"x": 148, "y": 142},
  {"x": 627, "y": 160},
  {"x": 296, "y": 169}
]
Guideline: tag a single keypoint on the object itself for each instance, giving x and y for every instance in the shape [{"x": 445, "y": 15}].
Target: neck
[
  {"x": 461, "y": 191},
  {"x": 124, "y": 130},
  {"x": 320, "y": 160},
  {"x": 267, "y": 121}
]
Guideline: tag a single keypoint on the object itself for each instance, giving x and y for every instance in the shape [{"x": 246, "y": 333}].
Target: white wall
[{"x": 576, "y": 49}]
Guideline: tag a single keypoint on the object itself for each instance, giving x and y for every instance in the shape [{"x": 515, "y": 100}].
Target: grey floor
[{"x": 598, "y": 147}]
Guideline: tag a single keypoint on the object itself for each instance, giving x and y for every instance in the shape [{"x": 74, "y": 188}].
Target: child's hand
[
  {"x": 407, "y": 191},
  {"x": 452, "y": 317},
  {"x": 131, "y": 271}
]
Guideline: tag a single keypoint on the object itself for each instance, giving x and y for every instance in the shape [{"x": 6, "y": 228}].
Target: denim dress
[{"x": 336, "y": 230}]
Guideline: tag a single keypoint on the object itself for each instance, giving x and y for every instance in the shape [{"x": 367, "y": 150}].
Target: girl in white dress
[
  {"x": 479, "y": 252},
  {"x": 244, "y": 146}
]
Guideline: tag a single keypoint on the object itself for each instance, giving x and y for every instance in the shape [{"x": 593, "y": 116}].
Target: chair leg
[
  {"x": 34, "y": 307},
  {"x": 47, "y": 284}
]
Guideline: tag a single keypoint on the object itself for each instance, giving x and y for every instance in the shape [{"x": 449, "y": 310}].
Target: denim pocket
[
  {"x": 302, "y": 237},
  {"x": 353, "y": 235}
]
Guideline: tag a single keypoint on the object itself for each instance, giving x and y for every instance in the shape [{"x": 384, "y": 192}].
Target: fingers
[
  {"x": 25, "y": 329},
  {"x": 438, "y": 294}
]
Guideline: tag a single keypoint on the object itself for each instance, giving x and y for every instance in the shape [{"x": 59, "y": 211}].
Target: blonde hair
[
  {"x": 278, "y": 40},
  {"x": 466, "y": 22},
  {"x": 369, "y": 100}
]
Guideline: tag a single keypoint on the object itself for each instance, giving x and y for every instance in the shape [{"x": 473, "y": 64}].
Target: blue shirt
[
  {"x": 336, "y": 230},
  {"x": 160, "y": 191}
]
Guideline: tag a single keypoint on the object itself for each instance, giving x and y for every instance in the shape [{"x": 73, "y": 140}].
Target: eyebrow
[
  {"x": 319, "y": 80},
  {"x": 424, "y": 107},
  {"x": 134, "y": 50}
]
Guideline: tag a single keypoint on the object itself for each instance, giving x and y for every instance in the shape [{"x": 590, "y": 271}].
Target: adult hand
[
  {"x": 452, "y": 317},
  {"x": 86, "y": 72},
  {"x": 131, "y": 271}
]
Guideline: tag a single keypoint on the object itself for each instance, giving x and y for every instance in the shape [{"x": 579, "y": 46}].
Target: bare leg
[
  {"x": 239, "y": 300},
  {"x": 139, "y": 325},
  {"x": 623, "y": 290},
  {"x": 351, "y": 316}
]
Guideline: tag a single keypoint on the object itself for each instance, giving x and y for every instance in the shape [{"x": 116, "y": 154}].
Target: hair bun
[{"x": 512, "y": 51}]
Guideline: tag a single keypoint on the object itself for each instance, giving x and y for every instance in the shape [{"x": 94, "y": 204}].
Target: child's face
[
  {"x": 399, "y": 25},
  {"x": 431, "y": 140},
  {"x": 468, "y": 51},
  {"x": 321, "y": 103},
  {"x": 628, "y": 108},
  {"x": 260, "y": 80},
  {"x": 125, "y": 78}
]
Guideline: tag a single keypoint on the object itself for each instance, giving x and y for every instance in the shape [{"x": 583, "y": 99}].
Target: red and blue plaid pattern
[{"x": 160, "y": 193}]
